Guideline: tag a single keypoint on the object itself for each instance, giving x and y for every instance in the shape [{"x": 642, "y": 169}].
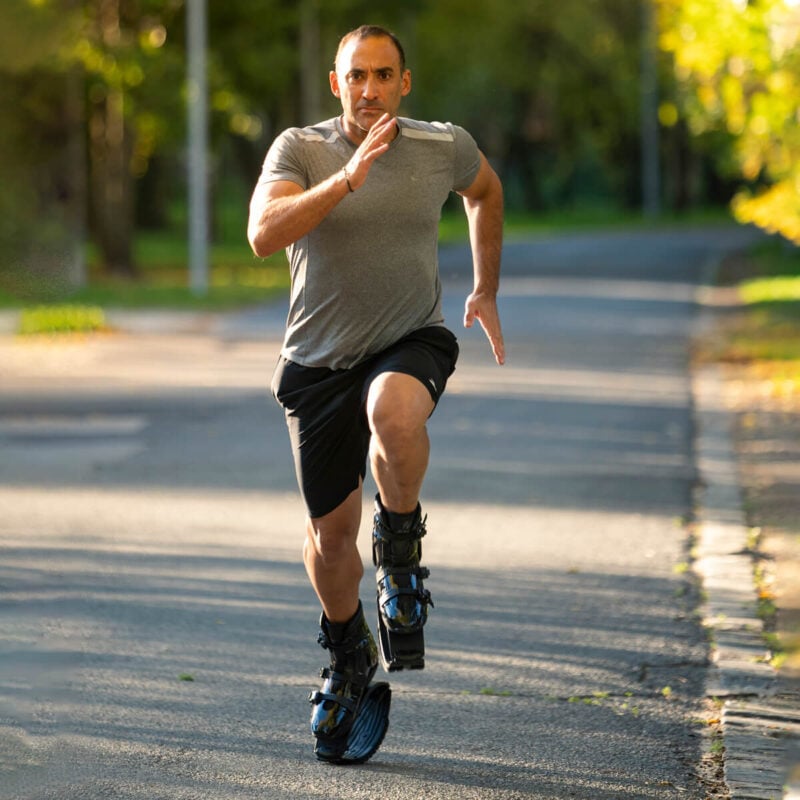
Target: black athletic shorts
[{"x": 326, "y": 411}]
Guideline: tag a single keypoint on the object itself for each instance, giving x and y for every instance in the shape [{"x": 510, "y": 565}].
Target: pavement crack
[{"x": 643, "y": 669}]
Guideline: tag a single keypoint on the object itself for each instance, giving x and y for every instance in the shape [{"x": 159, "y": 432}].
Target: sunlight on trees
[
  {"x": 737, "y": 63},
  {"x": 98, "y": 88}
]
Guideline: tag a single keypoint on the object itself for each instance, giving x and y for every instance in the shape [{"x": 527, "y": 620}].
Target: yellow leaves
[
  {"x": 737, "y": 62},
  {"x": 687, "y": 33},
  {"x": 733, "y": 100},
  {"x": 751, "y": 164},
  {"x": 781, "y": 81},
  {"x": 785, "y": 30},
  {"x": 776, "y": 210},
  {"x": 709, "y": 99},
  {"x": 668, "y": 41},
  {"x": 758, "y": 125},
  {"x": 737, "y": 66}
]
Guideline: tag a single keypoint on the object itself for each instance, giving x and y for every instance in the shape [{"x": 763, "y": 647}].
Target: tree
[
  {"x": 41, "y": 155},
  {"x": 132, "y": 88},
  {"x": 553, "y": 97},
  {"x": 86, "y": 78},
  {"x": 738, "y": 67}
]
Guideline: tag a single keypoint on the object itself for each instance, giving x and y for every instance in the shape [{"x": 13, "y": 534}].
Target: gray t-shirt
[{"x": 368, "y": 274}]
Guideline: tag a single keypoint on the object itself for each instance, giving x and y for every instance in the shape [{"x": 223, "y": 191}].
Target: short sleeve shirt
[{"x": 368, "y": 275}]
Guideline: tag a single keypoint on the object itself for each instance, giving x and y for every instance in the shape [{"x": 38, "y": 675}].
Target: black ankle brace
[
  {"x": 338, "y": 630},
  {"x": 399, "y": 522}
]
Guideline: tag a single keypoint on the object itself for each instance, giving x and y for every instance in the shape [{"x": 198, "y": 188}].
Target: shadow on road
[{"x": 535, "y": 680}]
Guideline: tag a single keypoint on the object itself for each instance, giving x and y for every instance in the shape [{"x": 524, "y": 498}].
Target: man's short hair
[{"x": 365, "y": 32}]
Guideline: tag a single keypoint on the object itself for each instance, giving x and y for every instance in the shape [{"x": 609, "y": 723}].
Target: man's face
[{"x": 369, "y": 82}]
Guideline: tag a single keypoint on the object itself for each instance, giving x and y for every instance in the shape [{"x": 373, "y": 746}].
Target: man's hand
[
  {"x": 281, "y": 212},
  {"x": 375, "y": 144},
  {"x": 483, "y": 307}
]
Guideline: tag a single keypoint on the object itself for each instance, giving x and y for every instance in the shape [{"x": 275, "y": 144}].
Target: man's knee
[
  {"x": 398, "y": 407},
  {"x": 394, "y": 431},
  {"x": 333, "y": 536}
]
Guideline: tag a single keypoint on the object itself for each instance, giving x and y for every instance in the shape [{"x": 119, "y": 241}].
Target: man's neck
[{"x": 356, "y": 134}]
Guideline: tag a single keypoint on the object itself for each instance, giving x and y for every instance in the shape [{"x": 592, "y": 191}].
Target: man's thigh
[
  {"x": 327, "y": 430},
  {"x": 429, "y": 355}
]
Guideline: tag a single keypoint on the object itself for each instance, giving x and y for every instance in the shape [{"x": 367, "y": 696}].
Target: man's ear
[
  {"x": 334, "y": 83},
  {"x": 406, "y": 84}
]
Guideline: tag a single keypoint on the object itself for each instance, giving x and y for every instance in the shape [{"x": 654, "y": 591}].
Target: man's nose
[{"x": 370, "y": 89}]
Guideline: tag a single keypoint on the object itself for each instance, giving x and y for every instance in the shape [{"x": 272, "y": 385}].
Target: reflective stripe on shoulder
[
  {"x": 436, "y": 136},
  {"x": 318, "y": 137}
]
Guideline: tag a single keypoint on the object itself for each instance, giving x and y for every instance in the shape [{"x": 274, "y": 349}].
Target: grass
[
  {"x": 775, "y": 291},
  {"x": 453, "y": 227},
  {"x": 237, "y": 279},
  {"x": 766, "y": 332},
  {"x": 62, "y": 319},
  {"x": 764, "y": 336}
]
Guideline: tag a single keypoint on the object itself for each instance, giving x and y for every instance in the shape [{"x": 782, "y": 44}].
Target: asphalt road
[{"x": 150, "y": 531}]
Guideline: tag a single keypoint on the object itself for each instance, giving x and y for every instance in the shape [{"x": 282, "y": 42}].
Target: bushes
[{"x": 62, "y": 319}]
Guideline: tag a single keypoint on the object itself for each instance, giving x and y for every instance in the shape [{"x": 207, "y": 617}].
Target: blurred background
[{"x": 591, "y": 111}]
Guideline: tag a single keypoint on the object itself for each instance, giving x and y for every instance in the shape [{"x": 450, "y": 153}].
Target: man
[{"x": 356, "y": 202}]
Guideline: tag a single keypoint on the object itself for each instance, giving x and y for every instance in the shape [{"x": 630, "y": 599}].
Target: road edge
[{"x": 740, "y": 678}]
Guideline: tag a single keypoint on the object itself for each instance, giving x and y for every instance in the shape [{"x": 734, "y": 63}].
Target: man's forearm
[
  {"x": 485, "y": 216},
  {"x": 278, "y": 218},
  {"x": 277, "y": 222}
]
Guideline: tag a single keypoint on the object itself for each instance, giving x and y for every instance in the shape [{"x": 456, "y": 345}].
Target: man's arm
[
  {"x": 281, "y": 212},
  {"x": 483, "y": 202}
]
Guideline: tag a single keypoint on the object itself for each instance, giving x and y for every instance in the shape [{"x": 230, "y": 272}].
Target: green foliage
[
  {"x": 552, "y": 98},
  {"x": 237, "y": 279},
  {"x": 35, "y": 84},
  {"x": 35, "y": 34},
  {"x": 61, "y": 319}
]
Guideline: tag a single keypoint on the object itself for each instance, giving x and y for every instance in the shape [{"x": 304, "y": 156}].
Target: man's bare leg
[
  {"x": 398, "y": 407},
  {"x": 332, "y": 560}
]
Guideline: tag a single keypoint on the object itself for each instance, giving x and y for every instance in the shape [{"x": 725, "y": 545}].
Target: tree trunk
[
  {"x": 76, "y": 176},
  {"x": 109, "y": 153}
]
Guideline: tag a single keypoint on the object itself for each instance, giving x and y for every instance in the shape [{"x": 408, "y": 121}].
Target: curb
[{"x": 760, "y": 728}]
